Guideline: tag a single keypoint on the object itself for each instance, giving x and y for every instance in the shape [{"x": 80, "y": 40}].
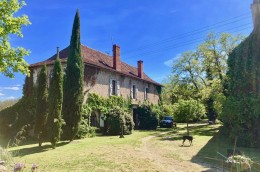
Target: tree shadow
[
  {"x": 218, "y": 144},
  {"x": 34, "y": 150},
  {"x": 3, "y": 141},
  {"x": 178, "y": 133}
]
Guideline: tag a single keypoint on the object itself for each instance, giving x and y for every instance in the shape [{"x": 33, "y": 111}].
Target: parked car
[{"x": 167, "y": 121}]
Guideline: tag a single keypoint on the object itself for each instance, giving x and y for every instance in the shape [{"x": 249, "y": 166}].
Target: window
[
  {"x": 145, "y": 93},
  {"x": 134, "y": 92},
  {"x": 114, "y": 87}
]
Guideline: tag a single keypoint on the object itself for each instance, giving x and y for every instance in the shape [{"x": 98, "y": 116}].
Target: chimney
[
  {"x": 255, "y": 7},
  {"x": 140, "y": 69},
  {"x": 116, "y": 58},
  {"x": 58, "y": 52}
]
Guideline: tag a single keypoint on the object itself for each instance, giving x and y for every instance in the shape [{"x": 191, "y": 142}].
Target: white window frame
[
  {"x": 116, "y": 89},
  {"x": 134, "y": 92},
  {"x": 146, "y": 90}
]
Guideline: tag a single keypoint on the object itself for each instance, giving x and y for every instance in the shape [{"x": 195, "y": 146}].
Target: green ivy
[{"x": 241, "y": 113}]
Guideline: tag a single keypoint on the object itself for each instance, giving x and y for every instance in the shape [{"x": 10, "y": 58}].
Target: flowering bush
[{"x": 18, "y": 167}]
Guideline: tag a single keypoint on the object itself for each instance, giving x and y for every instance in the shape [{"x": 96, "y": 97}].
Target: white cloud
[
  {"x": 8, "y": 98},
  {"x": 170, "y": 62},
  {"x": 14, "y": 88},
  {"x": 1, "y": 94}
]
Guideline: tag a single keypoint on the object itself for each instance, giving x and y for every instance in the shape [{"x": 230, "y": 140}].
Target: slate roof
[{"x": 98, "y": 59}]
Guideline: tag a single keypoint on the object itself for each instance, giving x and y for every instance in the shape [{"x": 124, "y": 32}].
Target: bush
[
  {"x": 115, "y": 119},
  {"x": 13, "y": 118},
  {"x": 162, "y": 111},
  {"x": 6, "y": 156},
  {"x": 241, "y": 117},
  {"x": 148, "y": 120},
  {"x": 85, "y": 130},
  {"x": 129, "y": 124}
]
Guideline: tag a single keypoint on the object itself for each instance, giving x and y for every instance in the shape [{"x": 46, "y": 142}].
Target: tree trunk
[{"x": 188, "y": 132}]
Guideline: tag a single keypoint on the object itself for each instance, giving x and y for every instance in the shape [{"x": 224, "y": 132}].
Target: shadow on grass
[
  {"x": 177, "y": 133},
  {"x": 219, "y": 143},
  {"x": 3, "y": 141},
  {"x": 34, "y": 150}
]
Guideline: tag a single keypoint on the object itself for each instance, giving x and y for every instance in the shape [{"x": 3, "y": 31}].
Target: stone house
[{"x": 106, "y": 76}]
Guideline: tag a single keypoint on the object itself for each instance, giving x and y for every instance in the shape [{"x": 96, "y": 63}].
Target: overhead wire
[
  {"x": 191, "y": 33},
  {"x": 193, "y": 41}
]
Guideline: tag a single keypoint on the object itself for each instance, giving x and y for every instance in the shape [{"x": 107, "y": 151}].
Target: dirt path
[{"x": 168, "y": 161}]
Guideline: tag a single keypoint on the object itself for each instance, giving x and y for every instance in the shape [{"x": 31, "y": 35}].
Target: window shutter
[
  {"x": 118, "y": 88},
  {"x": 110, "y": 87},
  {"x": 145, "y": 94},
  {"x": 102, "y": 120},
  {"x": 131, "y": 91},
  {"x": 136, "y": 92}
]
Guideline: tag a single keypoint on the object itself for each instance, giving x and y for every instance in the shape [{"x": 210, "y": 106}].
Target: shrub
[
  {"x": 85, "y": 130},
  {"x": 148, "y": 120},
  {"x": 162, "y": 111},
  {"x": 6, "y": 156},
  {"x": 115, "y": 119},
  {"x": 129, "y": 124},
  {"x": 13, "y": 118}
]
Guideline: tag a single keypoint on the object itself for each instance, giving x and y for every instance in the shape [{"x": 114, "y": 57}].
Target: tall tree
[
  {"x": 41, "y": 107},
  {"x": 201, "y": 74},
  {"x": 54, "y": 121},
  {"x": 11, "y": 59},
  {"x": 73, "y": 84}
]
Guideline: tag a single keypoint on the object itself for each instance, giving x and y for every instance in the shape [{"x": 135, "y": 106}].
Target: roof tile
[{"x": 98, "y": 59}]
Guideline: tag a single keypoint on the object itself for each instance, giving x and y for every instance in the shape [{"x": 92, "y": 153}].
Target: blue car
[{"x": 167, "y": 122}]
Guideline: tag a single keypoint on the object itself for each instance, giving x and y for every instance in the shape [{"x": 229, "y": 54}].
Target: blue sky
[{"x": 154, "y": 31}]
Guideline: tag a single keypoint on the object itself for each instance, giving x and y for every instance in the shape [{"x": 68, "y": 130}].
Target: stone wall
[{"x": 98, "y": 81}]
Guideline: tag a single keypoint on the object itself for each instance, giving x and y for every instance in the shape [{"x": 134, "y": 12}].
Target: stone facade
[
  {"x": 107, "y": 76},
  {"x": 99, "y": 81}
]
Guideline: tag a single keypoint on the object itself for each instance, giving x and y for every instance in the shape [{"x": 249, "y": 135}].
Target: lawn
[{"x": 159, "y": 150}]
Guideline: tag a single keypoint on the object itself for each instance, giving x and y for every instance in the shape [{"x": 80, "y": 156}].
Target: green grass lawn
[{"x": 159, "y": 150}]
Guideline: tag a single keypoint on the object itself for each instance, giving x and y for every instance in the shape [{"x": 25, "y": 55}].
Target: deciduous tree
[{"x": 11, "y": 58}]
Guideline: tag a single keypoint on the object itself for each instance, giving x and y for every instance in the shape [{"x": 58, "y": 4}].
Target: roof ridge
[
  {"x": 96, "y": 50},
  {"x": 86, "y": 52},
  {"x": 108, "y": 55}
]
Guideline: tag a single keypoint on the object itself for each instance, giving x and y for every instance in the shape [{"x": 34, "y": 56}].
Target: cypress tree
[
  {"x": 41, "y": 107},
  {"x": 55, "y": 100},
  {"x": 73, "y": 84},
  {"x": 28, "y": 86}
]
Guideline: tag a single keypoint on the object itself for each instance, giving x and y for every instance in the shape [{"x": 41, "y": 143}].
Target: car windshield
[{"x": 168, "y": 118}]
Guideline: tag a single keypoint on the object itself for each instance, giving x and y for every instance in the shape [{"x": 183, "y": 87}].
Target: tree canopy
[
  {"x": 11, "y": 58},
  {"x": 201, "y": 74}
]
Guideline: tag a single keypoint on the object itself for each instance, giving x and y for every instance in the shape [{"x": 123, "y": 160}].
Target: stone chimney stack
[
  {"x": 140, "y": 69},
  {"x": 58, "y": 52},
  {"x": 116, "y": 58},
  {"x": 255, "y": 7}
]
